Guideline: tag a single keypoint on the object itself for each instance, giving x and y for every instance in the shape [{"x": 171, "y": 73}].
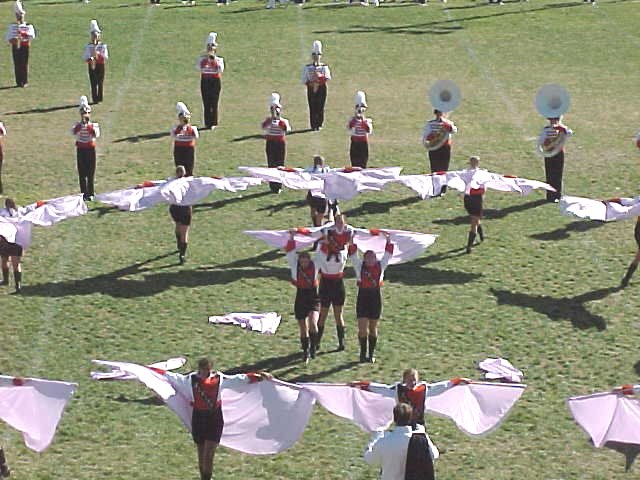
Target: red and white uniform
[
  {"x": 316, "y": 74},
  {"x": 370, "y": 277},
  {"x": 360, "y": 129},
  {"x": 552, "y": 139},
  {"x": 96, "y": 51},
  {"x": 22, "y": 33},
  {"x": 185, "y": 135},
  {"x": 437, "y": 133},
  {"x": 303, "y": 278},
  {"x": 210, "y": 67},
  {"x": 275, "y": 129},
  {"x": 86, "y": 134},
  {"x": 3, "y": 130},
  {"x": 336, "y": 240},
  {"x": 334, "y": 267}
]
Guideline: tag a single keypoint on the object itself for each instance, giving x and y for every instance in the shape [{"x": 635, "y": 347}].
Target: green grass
[{"x": 107, "y": 285}]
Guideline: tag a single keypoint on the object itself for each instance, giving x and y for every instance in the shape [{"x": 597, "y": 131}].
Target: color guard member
[
  {"x": 86, "y": 132},
  {"x": 181, "y": 215},
  {"x": 360, "y": 127},
  {"x": 10, "y": 251},
  {"x": 330, "y": 260},
  {"x": 96, "y": 55},
  {"x": 184, "y": 140},
  {"x": 3, "y": 133},
  {"x": 4, "y": 467},
  {"x": 304, "y": 276},
  {"x": 551, "y": 146},
  {"x": 315, "y": 76},
  {"x": 411, "y": 391},
  {"x": 275, "y": 128},
  {"x": 210, "y": 67},
  {"x": 207, "y": 421},
  {"x": 370, "y": 274},
  {"x": 437, "y": 140},
  {"x": 19, "y": 35},
  {"x": 318, "y": 202},
  {"x": 473, "y": 205}
]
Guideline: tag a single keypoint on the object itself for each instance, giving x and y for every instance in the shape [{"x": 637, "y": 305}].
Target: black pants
[
  {"x": 96, "y": 77},
  {"x": 185, "y": 156},
  {"x": 210, "y": 90},
  {"x": 1, "y": 159},
  {"x": 316, "y": 101},
  {"x": 553, "y": 167},
  {"x": 21, "y": 64},
  {"x": 276, "y": 153},
  {"x": 86, "y": 158},
  {"x": 439, "y": 159},
  {"x": 359, "y": 154}
]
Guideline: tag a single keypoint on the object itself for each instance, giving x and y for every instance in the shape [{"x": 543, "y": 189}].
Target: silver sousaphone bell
[
  {"x": 445, "y": 96},
  {"x": 552, "y": 100}
]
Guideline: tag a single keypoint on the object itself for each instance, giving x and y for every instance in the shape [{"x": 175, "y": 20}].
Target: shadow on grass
[
  {"x": 579, "y": 226},
  {"x": 268, "y": 364},
  {"x": 314, "y": 377},
  {"x": 370, "y": 208},
  {"x": 278, "y": 207},
  {"x": 411, "y": 274},
  {"x": 565, "y": 308},
  {"x": 153, "y": 400},
  {"x": 492, "y": 214},
  {"x": 629, "y": 450},
  {"x": 140, "y": 138},
  {"x": 253, "y": 261},
  {"x": 229, "y": 201},
  {"x": 442, "y": 27},
  {"x": 152, "y": 282},
  {"x": 43, "y": 109},
  {"x": 259, "y": 136},
  {"x": 8, "y": 87}
]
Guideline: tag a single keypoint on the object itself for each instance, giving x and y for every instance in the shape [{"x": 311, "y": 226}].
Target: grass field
[{"x": 541, "y": 291}]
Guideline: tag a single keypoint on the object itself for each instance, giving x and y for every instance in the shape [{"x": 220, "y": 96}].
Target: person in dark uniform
[
  {"x": 4, "y": 467},
  {"x": 636, "y": 260},
  {"x": 360, "y": 127},
  {"x": 181, "y": 215},
  {"x": 315, "y": 76},
  {"x": 275, "y": 129},
  {"x": 184, "y": 140},
  {"x": 96, "y": 55},
  {"x": 436, "y": 138},
  {"x": 86, "y": 132},
  {"x": 210, "y": 67},
  {"x": 304, "y": 275},
  {"x": 369, "y": 274},
  {"x": 473, "y": 205},
  {"x": 551, "y": 145},
  {"x": 19, "y": 35},
  {"x": 10, "y": 251},
  {"x": 207, "y": 421}
]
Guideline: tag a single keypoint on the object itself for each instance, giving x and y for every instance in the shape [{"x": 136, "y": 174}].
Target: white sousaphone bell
[
  {"x": 552, "y": 100},
  {"x": 445, "y": 95}
]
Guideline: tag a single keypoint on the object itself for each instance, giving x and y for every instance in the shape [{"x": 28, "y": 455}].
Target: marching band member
[
  {"x": 360, "y": 128},
  {"x": 19, "y": 35},
  {"x": 207, "y": 422},
  {"x": 315, "y": 76},
  {"x": 86, "y": 132},
  {"x": 181, "y": 215},
  {"x": 274, "y": 128},
  {"x": 316, "y": 199},
  {"x": 411, "y": 391},
  {"x": 10, "y": 251},
  {"x": 184, "y": 139},
  {"x": 370, "y": 273},
  {"x": 210, "y": 67},
  {"x": 304, "y": 276},
  {"x": 330, "y": 260},
  {"x": 638, "y": 140},
  {"x": 3, "y": 133},
  {"x": 551, "y": 145},
  {"x": 473, "y": 205},
  {"x": 96, "y": 55},
  {"x": 437, "y": 140}
]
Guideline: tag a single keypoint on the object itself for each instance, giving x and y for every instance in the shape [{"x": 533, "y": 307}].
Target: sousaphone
[
  {"x": 445, "y": 96},
  {"x": 552, "y": 100}
]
